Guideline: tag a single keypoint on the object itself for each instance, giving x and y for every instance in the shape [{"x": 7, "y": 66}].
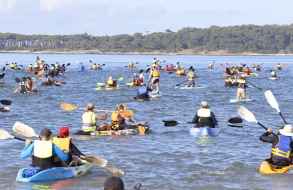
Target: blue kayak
[
  {"x": 52, "y": 174},
  {"x": 205, "y": 131}
]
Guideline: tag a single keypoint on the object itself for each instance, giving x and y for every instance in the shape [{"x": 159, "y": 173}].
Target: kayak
[
  {"x": 238, "y": 101},
  {"x": 204, "y": 131},
  {"x": 155, "y": 95},
  {"x": 125, "y": 132},
  {"x": 106, "y": 88},
  {"x": 235, "y": 122},
  {"x": 34, "y": 175},
  {"x": 274, "y": 78},
  {"x": 267, "y": 169}
]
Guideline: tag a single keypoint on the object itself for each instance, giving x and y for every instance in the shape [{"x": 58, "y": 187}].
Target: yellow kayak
[{"x": 267, "y": 169}]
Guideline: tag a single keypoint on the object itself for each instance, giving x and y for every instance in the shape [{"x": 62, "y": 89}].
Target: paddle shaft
[
  {"x": 181, "y": 83},
  {"x": 283, "y": 118},
  {"x": 260, "y": 124},
  {"x": 254, "y": 85}
]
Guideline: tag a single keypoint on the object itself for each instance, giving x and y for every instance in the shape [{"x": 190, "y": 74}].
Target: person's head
[
  {"x": 121, "y": 107},
  {"x": 287, "y": 130},
  {"x": 204, "y": 104},
  {"x": 114, "y": 183},
  {"x": 63, "y": 132},
  {"x": 45, "y": 134},
  {"x": 110, "y": 78},
  {"x": 90, "y": 107}
]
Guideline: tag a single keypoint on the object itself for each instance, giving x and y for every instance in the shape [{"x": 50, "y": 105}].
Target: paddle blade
[
  {"x": 96, "y": 160},
  {"x": 115, "y": 171},
  {"x": 6, "y": 102},
  {"x": 170, "y": 123},
  {"x": 24, "y": 130},
  {"x": 246, "y": 114},
  {"x": 5, "y": 135},
  {"x": 68, "y": 106},
  {"x": 272, "y": 100}
]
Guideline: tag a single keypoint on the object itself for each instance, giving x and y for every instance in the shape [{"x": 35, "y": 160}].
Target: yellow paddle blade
[
  {"x": 67, "y": 106},
  {"x": 5, "y": 135}
]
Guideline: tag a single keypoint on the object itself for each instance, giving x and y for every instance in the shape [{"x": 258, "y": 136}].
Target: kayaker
[
  {"x": 111, "y": 82},
  {"x": 205, "y": 117},
  {"x": 191, "y": 77},
  {"x": 154, "y": 83},
  {"x": 89, "y": 119},
  {"x": 120, "y": 116},
  {"x": 279, "y": 67},
  {"x": 241, "y": 90},
  {"x": 113, "y": 183},
  {"x": 43, "y": 151},
  {"x": 29, "y": 84},
  {"x": 142, "y": 93},
  {"x": 282, "y": 145},
  {"x": 65, "y": 143},
  {"x": 273, "y": 74},
  {"x": 135, "y": 80}
]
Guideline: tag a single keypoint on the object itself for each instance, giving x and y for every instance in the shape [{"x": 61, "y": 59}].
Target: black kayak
[{"x": 235, "y": 122}]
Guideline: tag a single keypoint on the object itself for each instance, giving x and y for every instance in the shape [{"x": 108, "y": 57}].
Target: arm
[
  {"x": 74, "y": 150},
  {"x": 214, "y": 120},
  {"x": 59, "y": 153},
  {"x": 269, "y": 137},
  {"x": 27, "y": 151},
  {"x": 195, "y": 119}
]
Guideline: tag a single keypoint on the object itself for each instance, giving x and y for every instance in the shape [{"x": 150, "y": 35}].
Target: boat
[
  {"x": 103, "y": 86},
  {"x": 241, "y": 100},
  {"x": 266, "y": 168},
  {"x": 235, "y": 122},
  {"x": 59, "y": 173},
  {"x": 139, "y": 129},
  {"x": 274, "y": 78},
  {"x": 204, "y": 131}
]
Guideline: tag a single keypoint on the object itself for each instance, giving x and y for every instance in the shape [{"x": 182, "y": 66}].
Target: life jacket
[
  {"x": 190, "y": 75},
  {"x": 89, "y": 121},
  {"x": 62, "y": 143},
  {"x": 117, "y": 120},
  {"x": 155, "y": 73},
  {"x": 282, "y": 149},
  {"x": 43, "y": 154},
  {"x": 204, "y": 117},
  {"x": 110, "y": 82}
]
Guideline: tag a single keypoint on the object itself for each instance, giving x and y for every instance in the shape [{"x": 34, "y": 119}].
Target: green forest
[{"x": 268, "y": 39}]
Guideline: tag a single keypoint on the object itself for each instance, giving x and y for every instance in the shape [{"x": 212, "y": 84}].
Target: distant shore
[{"x": 185, "y": 52}]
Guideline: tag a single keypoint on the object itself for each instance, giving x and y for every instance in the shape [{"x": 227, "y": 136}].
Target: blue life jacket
[{"x": 282, "y": 149}]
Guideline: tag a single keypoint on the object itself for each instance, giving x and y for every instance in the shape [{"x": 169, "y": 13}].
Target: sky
[{"x": 110, "y": 17}]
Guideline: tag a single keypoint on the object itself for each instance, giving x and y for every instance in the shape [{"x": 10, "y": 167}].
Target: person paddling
[
  {"x": 154, "y": 83},
  {"x": 43, "y": 151},
  {"x": 111, "y": 82},
  {"x": 204, "y": 117},
  {"x": 241, "y": 90},
  {"x": 65, "y": 143},
  {"x": 274, "y": 74},
  {"x": 120, "y": 116},
  {"x": 282, "y": 146},
  {"x": 191, "y": 77},
  {"x": 89, "y": 119}
]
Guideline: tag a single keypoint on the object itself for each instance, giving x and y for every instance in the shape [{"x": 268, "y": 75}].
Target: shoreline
[{"x": 186, "y": 53}]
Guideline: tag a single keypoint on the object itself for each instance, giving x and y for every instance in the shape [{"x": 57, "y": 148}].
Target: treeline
[{"x": 234, "y": 39}]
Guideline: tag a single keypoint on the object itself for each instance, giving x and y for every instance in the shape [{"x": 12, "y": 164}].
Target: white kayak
[
  {"x": 274, "y": 78},
  {"x": 241, "y": 100},
  {"x": 204, "y": 131},
  {"x": 191, "y": 87}
]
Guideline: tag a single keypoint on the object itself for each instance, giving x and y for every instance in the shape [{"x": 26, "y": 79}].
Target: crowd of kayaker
[{"x": 50, "y": 151}]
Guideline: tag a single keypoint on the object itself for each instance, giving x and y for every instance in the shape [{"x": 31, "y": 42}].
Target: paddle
[
  {"x": 4, "y": 135},
  {"x": 28, "y": 132},
  {"x": 249, "y": 116},
  {"x": 254, "y": 85},
  {"x": 6, "y": 102},
  {"x": 172, "y": 123},
  {"x": 67, "y": 106},
  {"x": 274, "y": 103},
  {"x": 181, "y": 83}
]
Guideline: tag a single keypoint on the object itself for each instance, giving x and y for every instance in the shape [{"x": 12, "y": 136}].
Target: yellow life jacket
[
  {"x": 190, "y": 75},
  {"x": 278, "y": 152},
  {"x": 43, "y": 149},
  {"x": 115, "y": 116},
  {"x": 110, "y": 82},
  {"x": 89, "y": 121},
  {"x": 62, "y": 143},
  {"x": 126, "y": 113},
  {"x": 155, "y": 73}
]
